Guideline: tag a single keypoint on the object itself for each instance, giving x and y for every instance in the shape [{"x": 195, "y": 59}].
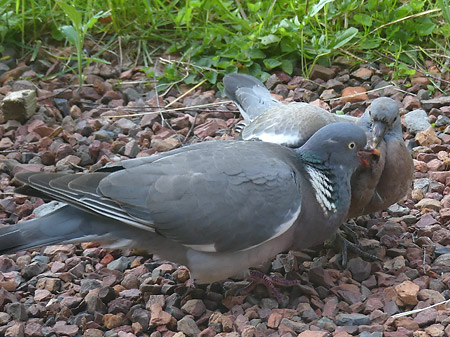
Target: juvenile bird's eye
[{"x": 351, "y": 145}]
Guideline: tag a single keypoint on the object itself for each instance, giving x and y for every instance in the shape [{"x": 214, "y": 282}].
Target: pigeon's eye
[{"x": 351, "y": 145}]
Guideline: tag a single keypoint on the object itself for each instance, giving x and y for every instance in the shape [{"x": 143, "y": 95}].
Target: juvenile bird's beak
[
  {"x": 368, "y": 155},
  {"x": 378, "y": 132}
]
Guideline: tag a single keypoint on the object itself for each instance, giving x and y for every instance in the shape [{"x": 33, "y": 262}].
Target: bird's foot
[
  {"x": 256, "y": 277},
  {"x": 356, "y": 248}
]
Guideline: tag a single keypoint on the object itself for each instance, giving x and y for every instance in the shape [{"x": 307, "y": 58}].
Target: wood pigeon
[
  {"x": 217, "y": 207},
  {"x": 373, "y": 189}
]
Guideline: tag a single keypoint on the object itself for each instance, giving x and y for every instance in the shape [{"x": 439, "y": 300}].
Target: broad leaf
[
  {"x": 70, "y": 34},
  {"x": 287, "y": 66},
  {"x": 271, "y": 63},
  {"x": 342, "y": 37}
]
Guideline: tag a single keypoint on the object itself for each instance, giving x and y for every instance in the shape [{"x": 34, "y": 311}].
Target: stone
[
  {"x": 42, "y": 295},
  {"x": 112, "y": 321},
  {"x": 87, "y": 285},
  {"x": 163, "y": 145},
  {"x": 131, "y": 149},
  {"x": 407, "y": 292},
  {"x": 6, "y": 143},
  {"x": 125, "y": 125},
  {"x": 194, "y": 307},
  {"x": 158, "y": 316},
  {"x": 362, "y": 73},
  {"x": 427, "y": 137},
  {"x": 188, "y": 326},
  {"x": 16, "y": 330},
  {"x": 435, "y": 330},
  {"x": 311, "y": 333},
  {"x": 209, "y": 128},
  {"x": 324, "y": 73},
  {"x": 426, "y": 317},
  {"x": 4, "y": 318},
  {"x": 93, "y": 333},
  {"x": 63, "y": 329},
  {"x": 274, "y": 320},
  {"x": 17, "y": 311},
  {"x": 93, "y": 303},
  {"x": 119, "y": 264},
  {"x": 19, "y": 105},
  {"x": 294, "y": 325},
  {"x": 411, "y": 103},
  {"x": 428, "y": 203},
  {"x": 354, "y": 94},
  {"x": 429, "y": 294},
  {"x": 352, "y": 319},
  {"x": 416, "y": 121},
  {"x": 407, "y": 323}
]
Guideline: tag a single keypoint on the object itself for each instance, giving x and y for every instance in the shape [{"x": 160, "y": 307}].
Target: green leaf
[
  {"x": 368, "y": 43},
  {"x": 72, "y": 13},
  {"x": 269, "y": 39},
  {"x": 287, "y": 66},
  {"x": 318, "y": 6},
  {"x": 211, "y": 76},
  {"x": 363, "y": 19},
  {"x": 271, "y": 63},
  {"x": 70, "y": 34},
  {"x": 443, "y": 4},
  {"x": 288, "y": 45},
  {"x": 342, "y": 37},
  {"x": 255, "y": 53}
]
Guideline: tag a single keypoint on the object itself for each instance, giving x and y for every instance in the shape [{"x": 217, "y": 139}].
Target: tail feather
[
  {"x": 249, "y": 94},
  {"x": 67, "y": 224}
]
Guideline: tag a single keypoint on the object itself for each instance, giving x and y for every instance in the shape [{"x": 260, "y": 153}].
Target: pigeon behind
[{"x": 373, "y": 189}]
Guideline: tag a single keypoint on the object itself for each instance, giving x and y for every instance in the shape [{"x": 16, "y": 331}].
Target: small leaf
[
  {"x": 363, "y": 19},
  {"x": 72, "y": 13},
  {"x": 255, "y": 53},
  {"x": 318, "y": 6},
  {"x": 287, "y": 66},
  {"x": 367, "y": 43},
  {"x": 445, "y": 11},
  {"x": 271, "y": 63},
  {"x": 342, "y": 37},
  {"x": 211, "y": 76},
  {"x": 70, "y": 34},
  {"x": 269, "y": 39}
]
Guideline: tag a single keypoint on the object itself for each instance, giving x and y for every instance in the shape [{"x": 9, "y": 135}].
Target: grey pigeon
[
  {"x": 217, "y": 207},
  {"x": 373, "y": 189}
]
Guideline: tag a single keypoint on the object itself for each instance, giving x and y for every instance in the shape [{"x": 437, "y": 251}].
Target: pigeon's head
[
  {"x": 383, "y": 118},
  {"x": 340, "y": 144}
]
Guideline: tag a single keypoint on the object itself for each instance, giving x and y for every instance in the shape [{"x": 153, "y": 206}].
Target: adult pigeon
[
  {"x": 373, "y": 189},
  {"x": 217, "y": 207}
]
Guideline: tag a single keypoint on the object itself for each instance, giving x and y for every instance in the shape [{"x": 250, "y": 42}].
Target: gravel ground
[{"x": 85, "y": 290}]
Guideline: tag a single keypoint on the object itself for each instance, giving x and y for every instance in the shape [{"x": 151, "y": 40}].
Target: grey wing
[
  {"x": 230, "y": 199},
  {"x": 250, "y": 96},
  {"x": 289, "y": 125}
]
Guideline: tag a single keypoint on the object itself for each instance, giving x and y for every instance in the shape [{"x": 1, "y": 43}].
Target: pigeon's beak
[
  {"x": 378, "y": 132},
  {"x": 367, "y": 156}
]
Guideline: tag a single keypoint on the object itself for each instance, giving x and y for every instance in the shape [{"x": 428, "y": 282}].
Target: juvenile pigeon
[
  {"x": 217, "y": 207},
  {"x": 373, "y": 189}
]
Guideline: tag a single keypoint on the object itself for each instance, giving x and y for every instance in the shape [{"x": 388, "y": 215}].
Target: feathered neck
[{"x": 327, "y": 182}]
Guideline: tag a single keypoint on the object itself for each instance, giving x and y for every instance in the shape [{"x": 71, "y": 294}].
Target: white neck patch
[{"x": 323, "y": 189}]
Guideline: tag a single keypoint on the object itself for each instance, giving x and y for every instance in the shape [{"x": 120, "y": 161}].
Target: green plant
[
  {"x": 213, "y": 37},
  {"x": 76, "y": 32}
]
